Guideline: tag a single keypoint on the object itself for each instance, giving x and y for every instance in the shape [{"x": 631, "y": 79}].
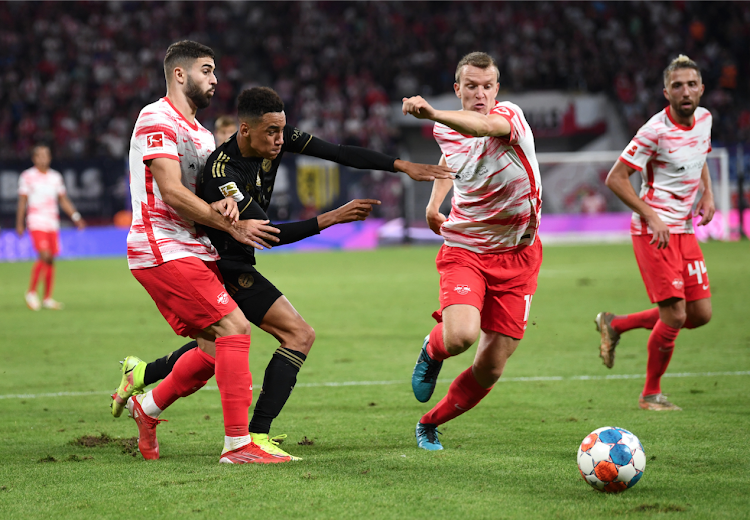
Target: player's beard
[
  {"x": 685, "y": 112},
  {"x": 194, "y": 93}
]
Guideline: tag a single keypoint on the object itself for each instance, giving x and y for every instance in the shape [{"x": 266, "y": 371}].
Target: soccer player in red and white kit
[
  {"x": 40, "y": 188},
  {"x": 670, "y": 152},
  {"x": 491, "y": 257},
  {"x": 176, "y": 263}
]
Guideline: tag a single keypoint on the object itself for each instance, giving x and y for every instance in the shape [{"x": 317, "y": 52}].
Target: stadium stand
[{"x": 75, "y": 73}]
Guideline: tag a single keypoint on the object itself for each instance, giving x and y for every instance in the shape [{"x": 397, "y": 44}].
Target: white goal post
[{"x": 559, "y": 173}]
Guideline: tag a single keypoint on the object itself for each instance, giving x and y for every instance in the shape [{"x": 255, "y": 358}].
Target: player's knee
[
  {"x": 306, "y": 338},
  {"x": 700, "y": 318},
  {"x": 459, "y": 342}
]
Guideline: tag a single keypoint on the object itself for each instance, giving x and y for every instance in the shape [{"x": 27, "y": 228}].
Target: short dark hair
[
  {"x": 254, "y": 102},
  {"x": 480, "y": 60},
  {"x": 183, "y": 54},
  {"x": 680, "y": 62}
]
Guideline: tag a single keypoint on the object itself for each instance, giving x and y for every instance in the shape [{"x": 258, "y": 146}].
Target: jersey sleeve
[
  {"x": 513, "y": 116},
  {"x": 352, "y": 156},
  {"x": 641, "y": 149},
  {"x": 225, "y": 181},
  {"x": 157, "y": 136},
  {"x": 60, "y": 185},
  {"x": 23, "y": 184},
  {"x": 295, "y": 140}
]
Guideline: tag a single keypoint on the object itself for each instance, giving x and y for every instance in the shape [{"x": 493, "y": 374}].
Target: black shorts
[{"x": 253, "y": 293}]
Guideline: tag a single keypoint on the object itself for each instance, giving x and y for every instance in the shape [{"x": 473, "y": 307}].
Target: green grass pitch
[{"x": 514, "y": 456}]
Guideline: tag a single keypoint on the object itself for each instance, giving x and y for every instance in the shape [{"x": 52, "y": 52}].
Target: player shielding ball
[
  {"x": 244, "y": 167},
  {"x": 670, "y": 152},
  {"x": 40, "y": 189},
  {"x": 491, "y": 257}
]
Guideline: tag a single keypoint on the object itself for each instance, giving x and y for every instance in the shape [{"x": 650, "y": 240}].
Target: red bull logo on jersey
[
  {"x": 222, "y": 298},
  {"x": 678, "y": 283},
  {"x": 463, "y": 290},
  {"x": 155, "y": 140}
]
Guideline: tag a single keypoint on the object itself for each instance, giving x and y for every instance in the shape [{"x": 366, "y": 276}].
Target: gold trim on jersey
[
  {"x": 305, "y": 146},
  {"x": 246, "y": 205},
  {"x": 219, "y": 166}
]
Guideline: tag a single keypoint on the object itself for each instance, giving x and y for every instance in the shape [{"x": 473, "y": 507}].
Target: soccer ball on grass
[{"x": 611, "y": 459}]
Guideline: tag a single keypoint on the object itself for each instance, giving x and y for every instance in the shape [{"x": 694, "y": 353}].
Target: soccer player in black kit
[{"x": 244, "y": 168}]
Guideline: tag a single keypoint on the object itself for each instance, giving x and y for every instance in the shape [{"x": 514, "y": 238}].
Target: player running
[
  {"x": 670, "y": 152},
  {"x": 491, "y": 257},
  {"x": 40, "y": 188},
  {"x": 244, "y": 167},
  {"x": 176, "y": 263}
]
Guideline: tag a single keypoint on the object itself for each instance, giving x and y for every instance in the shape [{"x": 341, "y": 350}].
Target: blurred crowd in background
[{"x": 75, "y": 74}]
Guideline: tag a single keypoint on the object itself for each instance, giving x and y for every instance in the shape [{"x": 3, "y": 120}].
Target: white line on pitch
[{"x": 404, "y": 382}]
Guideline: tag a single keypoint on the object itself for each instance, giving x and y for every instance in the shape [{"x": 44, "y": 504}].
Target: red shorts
[
  {"x": 188, "y": 292},
  {"x": 678, "y": 271},
  {"x": 500, "y": 285},
  {"x": 45, "y": 241}
]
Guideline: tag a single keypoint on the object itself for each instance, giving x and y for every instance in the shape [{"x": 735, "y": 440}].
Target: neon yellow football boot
[
  {"x": 271, "y": 444},
  {"x": 133, "y": 370}
]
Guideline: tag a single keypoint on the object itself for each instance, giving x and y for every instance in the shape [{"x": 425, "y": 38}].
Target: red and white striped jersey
[
  {"x": 670, "y": 157},
  {"x": 158, "y": 234},
  {"x": 497, "y": 192},
  {"x": 43, "y": 192}
]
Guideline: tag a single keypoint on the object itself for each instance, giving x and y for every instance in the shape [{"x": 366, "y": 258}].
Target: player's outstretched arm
[
  {"x": 706, "y": 207},
  {"x": 366, "y": 159},
  {"x": 21, "y": 214},
  {"x": 71, "y": 211},
  {"x": 618, "y": 180},
  {"x": 357, "y": 209},
  {"x": 424, "y": 172},
  {"x": 168, "y": 178},
  {"x": 440, "y": 189},
  {"x": 463, "y": 121}
]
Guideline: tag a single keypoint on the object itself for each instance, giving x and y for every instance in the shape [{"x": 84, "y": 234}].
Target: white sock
[
  {"x": 233, "y": 443},
  {"x": 148, "y": 405}
]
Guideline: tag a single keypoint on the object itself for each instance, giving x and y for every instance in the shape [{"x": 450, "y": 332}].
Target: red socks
[
  {"x": 660, "y": 348},
  {"x": 190, "y": 373},
  {"x": 435, "y": 345},
  {"x": 639, "y": 320},
  {"x": 235, "y": 382},
  {"x": 35, "y": 272},
  {"x": 463, "y": 395},
  {"x": 49, "y": 279}
]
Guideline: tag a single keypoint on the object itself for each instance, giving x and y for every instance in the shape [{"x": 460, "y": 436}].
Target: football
[{"x": 611, "y": 459}]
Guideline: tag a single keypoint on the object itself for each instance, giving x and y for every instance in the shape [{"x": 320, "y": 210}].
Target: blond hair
[
  {"x": 224, "y": 121},
  {"x": 481, "y": 60},
  {"x": 680, "y": 62}
]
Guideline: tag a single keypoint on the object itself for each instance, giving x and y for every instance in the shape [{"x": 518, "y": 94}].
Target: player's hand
[
  {"x": 435, "y": 220},
  {"x": 256, "y": 233},
  {"x": 705, "y": 209},
  {"x": 80, "y": 224},
  {"x": 357, "y": 209},
  {"x": 20, "y": 230},
  {"x": 424, "y": 172},
  {"x": 227, "y": 208},
  {"x": 417, "y": 107},
  {"x": 661, "y": 232}
]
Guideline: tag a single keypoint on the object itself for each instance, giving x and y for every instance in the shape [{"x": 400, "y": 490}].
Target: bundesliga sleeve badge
[{"x": 155, "y": 140}]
